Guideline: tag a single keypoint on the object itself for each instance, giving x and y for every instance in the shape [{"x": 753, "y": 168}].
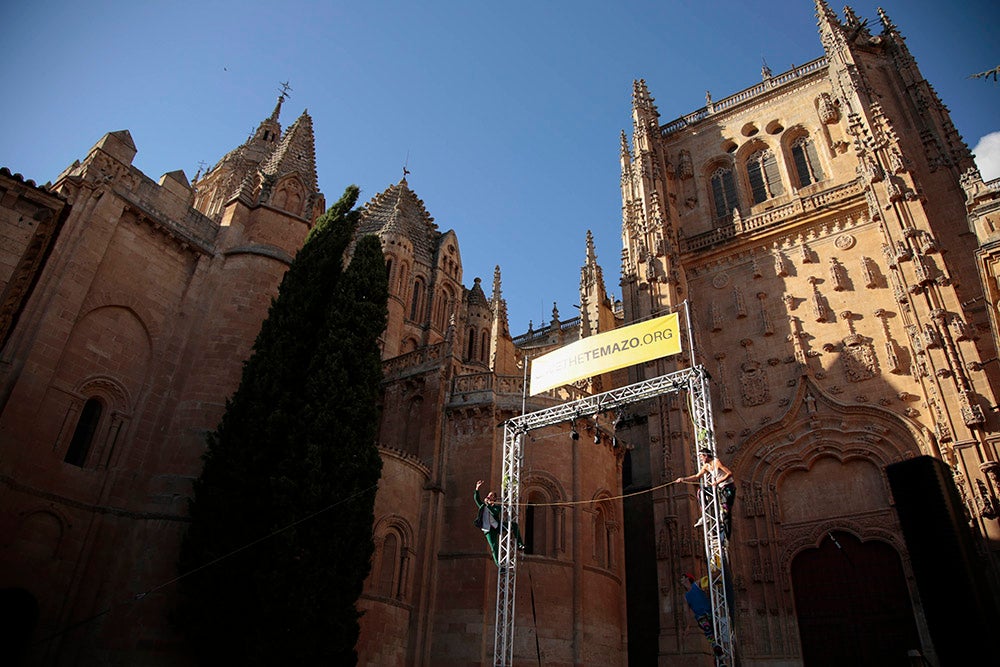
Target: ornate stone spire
[
  {"x": 641, "y": 98},
  {"x": 855, "y": 25},
  {"x": 267, "y": 134},
  {"x": 293, "y": 158},
  {"x": 824, "y": 13},
  {"x": 592, "y": 291},
  {"x": 503, "y": 354},
  {"x": 645, "y": 117},
  {"x": 398, "y": 211},
  {"x": 626, "y": 166},
  {"x": 477, "y": 297},
  {"x": 591, "y": 275},
  {"x": 236, "y": 171},
  {"x": 498, "y": 304},
  {"x": 891, "y": 34},
  {"x": 296, "y": 153},
  {"x": 496, "y": 282},
  {"x": 830, "y": 30},
  {"x": 887, "y": 24},
  {"x": 281, "y": 98}
]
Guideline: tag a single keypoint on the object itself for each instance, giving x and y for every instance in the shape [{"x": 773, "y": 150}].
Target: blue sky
[{"x": 507, "y": 114}]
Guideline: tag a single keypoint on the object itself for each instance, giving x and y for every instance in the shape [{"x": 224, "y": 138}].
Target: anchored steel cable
[
  {"x": 137, "y": 597},
  {"x": 564, "y": 503}
]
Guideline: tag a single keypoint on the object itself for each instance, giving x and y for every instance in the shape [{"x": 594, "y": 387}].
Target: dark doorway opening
[
  {"x": 18, "y": 617},
  {"x": 853, "y": 605}
]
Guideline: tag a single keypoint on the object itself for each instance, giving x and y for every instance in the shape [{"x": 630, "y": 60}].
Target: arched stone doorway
[
  {"x": 817, "y": 470},
  {"x": 852, "y": 604}
]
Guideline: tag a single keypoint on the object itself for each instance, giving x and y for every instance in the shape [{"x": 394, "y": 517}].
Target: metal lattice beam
[
  {"x": 693, "y": 380},
  {"x": 711, "y": 511}
]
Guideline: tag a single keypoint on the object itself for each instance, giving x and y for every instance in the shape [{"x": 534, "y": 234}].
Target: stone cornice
[
  {"x": 261, "y": 250},
  {"x": 407, "y": 459},
  {"x": 16, "y": 486},
  {"x": 162, "y": 224}
]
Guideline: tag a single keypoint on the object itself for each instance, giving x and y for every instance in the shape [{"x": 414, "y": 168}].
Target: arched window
[
  {"x": 401, "y": 278},
  {"x": 542, "y": 530},
  {"x": 413, "y": 426},
  {"x": 438, "y": 310},
  {"x": 765, "y": 180},
  {"x": 806, "y": 161},
  {"x": 603, "y": 542},
  {"x": 389, "y": 576},
  {"x": 387, "y": 572},
  {"x": 484, "y": 346},
  {"x": 536, "y": 527},
  {"x": 470, "y": 344},
  {"x": 83, "y": 436},
  {"x": 417, "y": 305},
  {"x": 445, "y": 299},
  {"x": 724, "y": 192}
]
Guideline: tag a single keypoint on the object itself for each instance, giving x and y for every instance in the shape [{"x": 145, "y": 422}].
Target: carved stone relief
[
  {"x": 753, "y": 379},
  {"x": 725, "y": 400},
  {"x": 767, "y": 327},
  {"x": 685, "y": 169},
  {"x": 755, "y": 266},
  {"x": 931, "y": 337},
  {"x": 741, "y": 306},
  {"x": 820, "y": 311},
  {"x": 845, "y": 241},
  {"x": 805, "y": 254},
  {"x": 858, "y": 356},
  {"x": 838, "y": 275},
  {"x": 873, "y": 209},
  {"x": 868, "y": 271},
  {"x": 922, "y": 271},
  {"x": 829, "y": 113},
  {"x": 780, "y": 264}
]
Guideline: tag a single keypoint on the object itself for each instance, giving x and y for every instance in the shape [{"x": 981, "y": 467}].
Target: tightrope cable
[
  {"x": 139, "y": 596},
  {"x": 596, "y": 500}
]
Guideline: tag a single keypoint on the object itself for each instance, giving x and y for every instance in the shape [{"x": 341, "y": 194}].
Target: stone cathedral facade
[
  {"x": 128, "y": 307},
  {"x": 839, "y": 254},
  {"x": 818, "y": 225}
]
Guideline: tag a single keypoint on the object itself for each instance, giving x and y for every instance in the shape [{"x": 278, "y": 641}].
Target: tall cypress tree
[{"x": 281, "y": 535}]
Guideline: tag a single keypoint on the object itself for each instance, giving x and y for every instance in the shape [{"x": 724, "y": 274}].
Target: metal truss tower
[{"x": 695, "y": 382}]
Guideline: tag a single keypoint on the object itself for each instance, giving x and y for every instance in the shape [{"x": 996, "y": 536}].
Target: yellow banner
[{"x": 605, "y": 352}]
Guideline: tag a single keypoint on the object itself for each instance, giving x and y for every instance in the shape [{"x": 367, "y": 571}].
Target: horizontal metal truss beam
[{"x": 609, "y": 400}]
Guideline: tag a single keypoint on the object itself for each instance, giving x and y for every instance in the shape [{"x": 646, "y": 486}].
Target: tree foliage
[
  {"x": 281, "y": 535},
  {"x": 987, "y": 75}
]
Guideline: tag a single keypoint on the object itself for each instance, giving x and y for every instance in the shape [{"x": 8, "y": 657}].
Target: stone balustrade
[
  {"x": 744, "y": 95},
  {"x": 773, "y": 216}
]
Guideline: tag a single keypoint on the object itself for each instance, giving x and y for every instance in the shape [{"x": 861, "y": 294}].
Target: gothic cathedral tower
[
  {"x": 452, "y": 374},
  {"x": 816, "y": 226},
  {"x": 122, "y": 360}
]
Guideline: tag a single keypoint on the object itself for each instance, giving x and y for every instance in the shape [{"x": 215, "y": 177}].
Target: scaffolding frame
[{"x": 695, "y": 381}]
